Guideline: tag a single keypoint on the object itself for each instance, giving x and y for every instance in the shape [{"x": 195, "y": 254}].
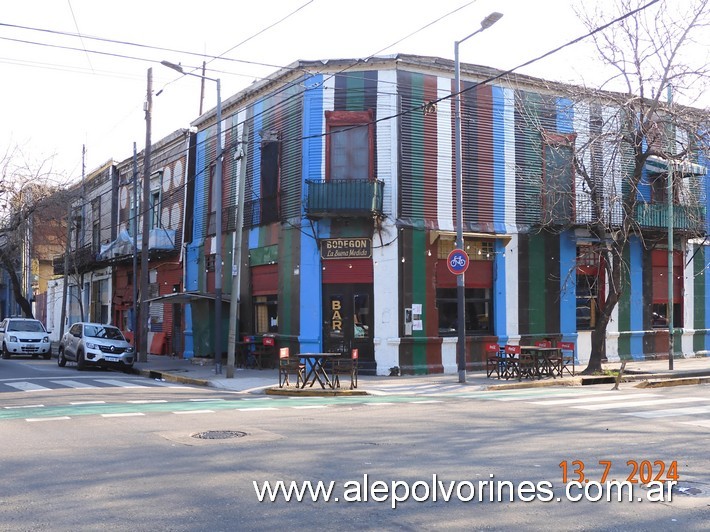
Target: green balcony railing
[
  {"x": 688, "y": 218},
  {"x": 344, "y": 198}
]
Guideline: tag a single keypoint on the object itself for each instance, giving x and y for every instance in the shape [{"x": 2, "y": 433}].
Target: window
[
  {"x": 476, "y": 249},
  {"x": 558, "y": 179},
  {"x": 212, "y": 214},
  {"x": 478, "y": 309},
  {"x": 350, "y": 145},
  {"x": 270, "y": 166},
  {"x": 361, "y": 316},
  {"x": 96, "y": 225},
  {"x": 589, "y": 282},
  {"x": 266, "y": 314},
  {"x": 155, "y": 208}
]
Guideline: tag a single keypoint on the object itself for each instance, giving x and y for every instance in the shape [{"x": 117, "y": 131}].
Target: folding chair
[
  {"x": 510, "y": 362},
  {"x": 552, "y": 361},
  {"x": 289, "y": 365},
  {"x": 567, "y": 360},
  {"x": 345, "y": 366},
  {"x": 493, "y": 359}
]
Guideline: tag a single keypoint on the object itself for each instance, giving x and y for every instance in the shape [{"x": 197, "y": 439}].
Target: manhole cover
[{"x": 219, "y": 434}]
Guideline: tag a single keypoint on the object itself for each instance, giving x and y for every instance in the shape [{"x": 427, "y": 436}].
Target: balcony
[
  {"x": 344, "y": 198},
  {"x": 81, "y": 260},
  {"x": 685, "y": 218}
]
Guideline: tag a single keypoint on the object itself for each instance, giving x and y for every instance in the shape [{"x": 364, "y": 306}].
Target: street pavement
[{"x": 648, "y": 373}]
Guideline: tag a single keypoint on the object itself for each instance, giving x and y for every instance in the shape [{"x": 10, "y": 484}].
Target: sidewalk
[{"x": 202, "y": 373}]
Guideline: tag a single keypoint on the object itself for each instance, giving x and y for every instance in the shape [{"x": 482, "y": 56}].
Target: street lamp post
[
  {"x": 460, "y": 284},
  {"x": 218, "y": 222}
]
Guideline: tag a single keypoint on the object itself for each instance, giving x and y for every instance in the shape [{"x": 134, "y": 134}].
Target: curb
[
  {"x": 169, "y": 377},
  {"x": 664, "y": 383}
]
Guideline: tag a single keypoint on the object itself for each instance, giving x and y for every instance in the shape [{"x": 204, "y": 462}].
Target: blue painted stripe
[
  {"x": 499, "y": 295},
  {"x": 636, "y": 297},
  {"x": 568, "y": 283},
  {"x": 498, "y": 159},
  {"x": 311, "y": 307},
  {"x": 565, "y": 115}
]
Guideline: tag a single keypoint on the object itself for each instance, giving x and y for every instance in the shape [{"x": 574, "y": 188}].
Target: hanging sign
[
  {"x": 346, "y": 248},
  {"x": 457, "y": 261}
]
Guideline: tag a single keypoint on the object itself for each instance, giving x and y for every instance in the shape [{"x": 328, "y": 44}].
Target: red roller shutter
[
  {"x": 347, "y": 271},
  {"x": 478, "y": 275},
  {"x": 265, "y": 279}
]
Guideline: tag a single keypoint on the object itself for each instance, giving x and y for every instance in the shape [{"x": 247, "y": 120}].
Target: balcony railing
[
  {"x": 344, "y": 198},
  {"x": 80, "y": 260},
  {"x": 685, "y": 218}
]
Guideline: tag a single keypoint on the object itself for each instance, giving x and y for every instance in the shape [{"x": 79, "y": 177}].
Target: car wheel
[
  {"x": 80, "y": 362},
  {"x": 61, "y": 361},
  {"x": 5, "y": 352}
]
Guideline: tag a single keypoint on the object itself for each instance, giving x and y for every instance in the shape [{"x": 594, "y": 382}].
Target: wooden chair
[
  {"x": 493, "y": 359},
  {"x": 510, "y": 362},
  {"x": 345, "y": 366},
  {"x": 567, "y": 360},
  {"x": 289, "y": 365},
  {"x": 552, "y": 362}
]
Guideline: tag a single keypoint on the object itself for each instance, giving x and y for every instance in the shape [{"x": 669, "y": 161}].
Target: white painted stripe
[
  {"x": 650, "y": 402},
  {"x": 34, "y": 419},
  {"x": 125, "y": 414},
  {"x": 88, "y": 403},
  {"x": 146, "y": 401},
  {"x": 74, "y": 384},
  {"x": 23, "y": 406},
  {"x": 121, "y": 384},
  {"x": 593, "y": 398},
  {"x": 258, "y": 408},
  {"x": 195, "y": 412},
  {"x": 27, "y": 386},
  {"x": 379, "y": 404},
  {"x": 527, "y": 396},
  {"x": 425, "y": 402},
  {"x": 205, "y": 400},
  {"x": 698, "y": 423},
  {"x": 304, "y": 407},
  {"x": 671, "y": 412}
]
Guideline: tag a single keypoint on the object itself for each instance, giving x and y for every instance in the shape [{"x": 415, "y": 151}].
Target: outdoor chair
[
  {"x": 345, "y": 366},
  {"x": 289, "y": 365},
  {"x": 567, "y": 360},
  {"x": 510, "y": 362},
  {"x": 493, "y": 359}
]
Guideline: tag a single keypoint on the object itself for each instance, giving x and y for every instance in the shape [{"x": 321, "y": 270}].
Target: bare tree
[
  {"x": 30, "y": 198},
  {"x": 632, "y": 119}
]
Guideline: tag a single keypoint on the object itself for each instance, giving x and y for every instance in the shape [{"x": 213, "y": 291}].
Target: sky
[{"x": 55, "y": 100}]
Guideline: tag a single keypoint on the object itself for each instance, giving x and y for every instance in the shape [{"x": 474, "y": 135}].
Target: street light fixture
[
  {"x": 218, "y": 222},
  {"x": 460, "y": 285}
]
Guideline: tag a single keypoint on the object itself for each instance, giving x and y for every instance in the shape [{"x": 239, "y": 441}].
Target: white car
[
  {"x": 95, "y": 344},
  {"x": 24, "y": 336}
]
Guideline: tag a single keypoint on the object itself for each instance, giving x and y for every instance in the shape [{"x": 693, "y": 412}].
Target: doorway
[{"x": 348, "y": 322}]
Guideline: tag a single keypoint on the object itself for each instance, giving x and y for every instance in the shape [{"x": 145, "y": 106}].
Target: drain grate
[{"x": 219, "y": 434}]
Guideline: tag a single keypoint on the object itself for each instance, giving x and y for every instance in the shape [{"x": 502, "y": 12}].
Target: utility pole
[
  {"x": 145, "y": 286},
  {"x": 66, "y": 273},
  {"x": 134, "y": 321},
  {"x": 237, "y": 275}
]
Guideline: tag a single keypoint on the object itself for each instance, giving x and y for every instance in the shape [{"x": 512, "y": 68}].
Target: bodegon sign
[{"x": 346, "y": 248}]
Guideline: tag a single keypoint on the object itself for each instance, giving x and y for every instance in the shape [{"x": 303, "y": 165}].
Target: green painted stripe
[
  {"x": 536, "y": 288},
  {"x": 419, "y": 293}
]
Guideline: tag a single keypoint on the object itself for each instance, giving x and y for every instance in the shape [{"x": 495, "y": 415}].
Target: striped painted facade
[{"x": 533, "y": 294}]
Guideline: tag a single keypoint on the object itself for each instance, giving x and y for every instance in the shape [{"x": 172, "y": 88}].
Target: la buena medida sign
[{"x": 346, "y": 248}]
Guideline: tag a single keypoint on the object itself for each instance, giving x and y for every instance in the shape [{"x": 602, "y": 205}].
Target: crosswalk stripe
[
  {"x": 27, "y": 386},
  {"x": 74, "y": 384},
  {"x": 671, "y": 412},
  {"x": 589, "y": 399},
  {"x": 58, "y": 418},
  {"x": 534, "y": 394},
  {"x": 698, "y": 423},
  {"x": 195, "y": 412},
  {"x": 629, "y": 404},
  {"x": 121, "y": 384}
]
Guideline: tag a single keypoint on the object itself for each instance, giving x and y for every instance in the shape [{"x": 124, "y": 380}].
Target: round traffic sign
[{"x": 457, "y": 261}]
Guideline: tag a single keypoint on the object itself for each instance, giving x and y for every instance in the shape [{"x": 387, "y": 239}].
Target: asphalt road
[{"x": 120, "y": 453}]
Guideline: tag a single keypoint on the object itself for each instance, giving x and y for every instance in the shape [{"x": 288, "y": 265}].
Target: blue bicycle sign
[{"x": 457, "y": 261}]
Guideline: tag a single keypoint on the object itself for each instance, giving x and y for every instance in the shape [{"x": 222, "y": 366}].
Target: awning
[
  {"x": 657, "y": 165},
  {"x": 451, "y": 235},
  {"x": 180, "y": 298}
]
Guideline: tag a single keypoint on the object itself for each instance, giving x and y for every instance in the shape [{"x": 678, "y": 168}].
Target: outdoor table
[
  {"x": 543, "y": 359},
  {"x": 317, "y": 371}
]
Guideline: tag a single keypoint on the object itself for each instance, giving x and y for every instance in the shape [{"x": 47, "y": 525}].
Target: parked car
[
  {"x": 95, "y": 344},
  {"x": 24, "y": 336}
]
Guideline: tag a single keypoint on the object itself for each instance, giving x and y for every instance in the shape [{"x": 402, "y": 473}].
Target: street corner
[
  {"x": 566, "y": 381},
  {"x": 171, "y": 377}
]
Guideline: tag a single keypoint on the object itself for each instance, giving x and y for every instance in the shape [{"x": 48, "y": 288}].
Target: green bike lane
[{"x": 37, "y": 412}]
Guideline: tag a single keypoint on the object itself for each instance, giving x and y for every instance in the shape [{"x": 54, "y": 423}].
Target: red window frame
[{"x": 350, "y": 118}]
